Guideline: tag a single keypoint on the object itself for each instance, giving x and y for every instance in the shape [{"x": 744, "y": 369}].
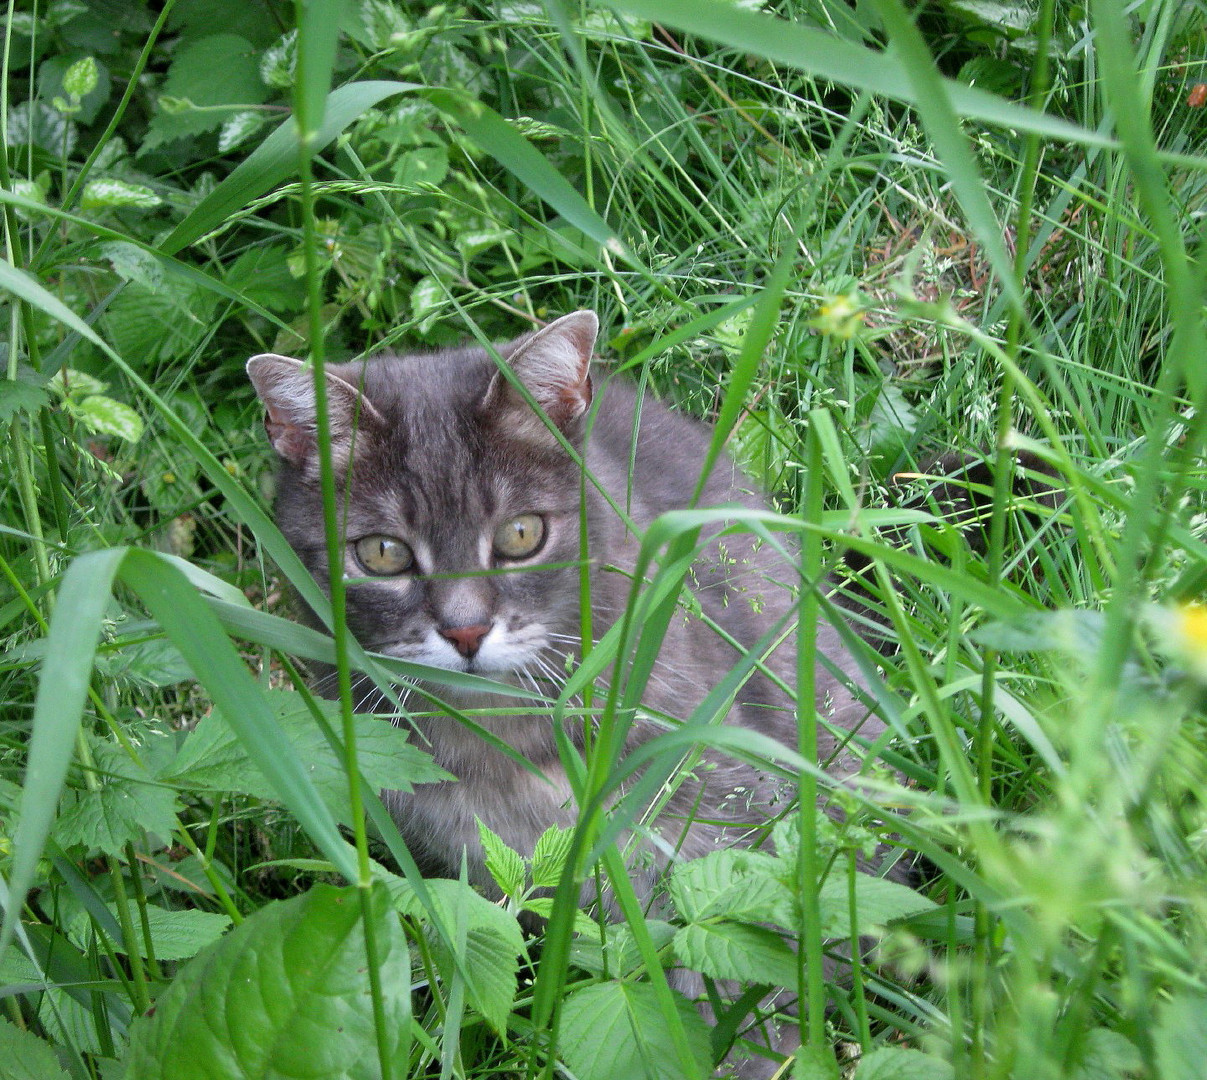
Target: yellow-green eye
[
  {"x": 383, "y": 556},
  {"x": 519, "y": 537}
]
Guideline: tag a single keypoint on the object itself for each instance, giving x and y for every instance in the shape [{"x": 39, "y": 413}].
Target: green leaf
[
  {"x": 104, "y": 416},
  {"x": 208, "y": 100},
  {"x": 502, "y": 863},
  {"x": 900, "y": 1063},
  {"x": 1180, "y": 1037},
  {"x": 213, "y": 757},
  {"x": 128, "y": 804},
  {"x": 549, "y": 856},
  {"x": 491, "y": 942},
  {"x": 878, "y": 902},
  {"x": 25, "y": 1056},
  {"x": 80, "y": 79},
  {"x": 426, "y": 165},
  {"x": 132, "y": 263},
  {"x": 175, "y": 935},
  {"x": 154, "y": 327},
  {"x": 239, "y": 128},
  {"x": 17, "y": 396},
  {"x": 1109, "y": 1056},
  {"x": 41, "y": 125},
  {"x": 615, "y": 1030},
  {"x": 286, "y": 994},
  {"x": 730, "y": 950},
  {"x": 279, "y": 61},
  {"x": 736, "y": 884}
]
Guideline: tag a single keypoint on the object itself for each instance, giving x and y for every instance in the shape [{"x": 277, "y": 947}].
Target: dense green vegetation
[{"x": 854, "y": 235}]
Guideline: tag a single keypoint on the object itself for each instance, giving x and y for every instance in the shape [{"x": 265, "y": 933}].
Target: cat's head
[{"x": 459, "y": 503}]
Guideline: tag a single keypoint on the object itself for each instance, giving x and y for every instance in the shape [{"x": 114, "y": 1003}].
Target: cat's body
[{"x": 446, "y": 454}]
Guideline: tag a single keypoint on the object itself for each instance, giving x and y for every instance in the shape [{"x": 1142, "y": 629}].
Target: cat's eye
[
  {"x": 383, "y": 556},
  {"x": 519, "y": 537}
]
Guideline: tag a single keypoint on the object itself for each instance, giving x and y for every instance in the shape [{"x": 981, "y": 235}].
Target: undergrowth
[{"x": 872, "y": 242}]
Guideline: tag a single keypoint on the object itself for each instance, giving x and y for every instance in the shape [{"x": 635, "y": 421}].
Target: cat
[{"x": 462, "y": 518}]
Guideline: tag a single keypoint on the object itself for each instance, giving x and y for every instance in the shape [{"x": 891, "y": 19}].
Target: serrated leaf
[
  {"x": 109, "y": 192},
  {"x": 623, "y": 955},
  {"x": 262, "y": 275},
  {"x": 615, "y": 1029},
  {"x": 150, "y": 328},
  {"x": 280, "y": 61},
  {"x": 378, "y": 25},
  {"x": 213, "y": 758},
  {"x": 492, "y": 942},
  {"x": 736, "y": 884},
  {"x": 17, "y": 396},
  {"x": 42, "y": 125},
  {"x": 156, "y": 663},
  {"x": 175, "y": 935},
  {"x": 76, "y": 385},
  {"x": 104, "y": 416},
  {"x": 80, "y": 79},
  {"x": 878, "y": 902},
  {"x": 730, "y": 950},
  {"x": 542, "y": 906},
  {"x": 426, "y": 165},
  {"x": 239, "y": 128},
  {"x": 286, "y": 994},
  {"x": 204, "y": 102},
  {"x": 128, "y": 803},
  {"x": 901, "y": 1063},
  {"x": 502, "y": 863},
  {"x": 549, "y": 856},
  {"x": 25, "y": 1056},
  {"x": 132, "y": 263}
]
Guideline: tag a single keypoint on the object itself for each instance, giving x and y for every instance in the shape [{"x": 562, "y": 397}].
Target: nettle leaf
[
  {"x": 17, "y": 396},
  {"x": 213, "y": 758},
  {"x": 239, "y": 128},
  {"x": 262, "y": 275},
  {"x": 129, "y": 803},
  {"x": 502, "y": 863},
  {"x": 735, "y": 884},
  {"x": 615, "y": 1029},
  {"x": 196, "y": 100},
  {"x": 175, "y": 935},
  {"x": 104, "y": 416},
  {"x": 493, "y": 943},
  {"x": 150, "y": 327},
  {"x": 25, "y": 1056},
  {"x": 878, "y": 902},
  {"x": 156, "y": 663},
  {"x": 280, "y": 61},
  {"x": 109, "y": 192},
  {"x": 132, "y": 263},
  {"x": 42, "y": 125},
  {"x": 730, "y": 950},
  {"x": 285, "y": 994},
  {"x": 549, "y": 856},
  {"x": 426, "y": 165},
  {"x": 613, "y": 950},
  {"x": 901, "y": 1063},
  {"x": 378, "y": 25}
]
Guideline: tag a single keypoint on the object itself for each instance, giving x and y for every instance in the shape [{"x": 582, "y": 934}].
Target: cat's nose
[{"x": 466, "y": 639}]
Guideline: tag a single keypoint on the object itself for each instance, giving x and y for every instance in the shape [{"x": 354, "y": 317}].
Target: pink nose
[{"x": 467, "y": 639}]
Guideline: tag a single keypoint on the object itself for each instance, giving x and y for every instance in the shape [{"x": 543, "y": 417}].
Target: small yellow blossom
[
  {"x": 840, "y": 316},
  {"x": 1185, "y": 631}
]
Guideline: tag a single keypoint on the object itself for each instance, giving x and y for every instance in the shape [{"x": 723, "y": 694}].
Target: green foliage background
[{"x": 852, "y": 235}]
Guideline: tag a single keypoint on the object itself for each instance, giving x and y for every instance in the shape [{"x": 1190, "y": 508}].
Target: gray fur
[{"x": 442, "y": 449}]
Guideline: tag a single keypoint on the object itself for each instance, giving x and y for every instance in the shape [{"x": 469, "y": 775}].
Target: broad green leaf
[
  {"x": 39, "y": 124},
  {"x": 175, "y": 935},
  {"x": 1180, "y": 1037},
  {"x": 151, "y": 327},
  {"x": 108, "y": 193},
  {"x": 814, "y": 1061},
  {"x": 239, "y": 128},
  {"x": 614, "y": 1030},
  {"x": 104, "y": 416},
  {"x": 17, "y": 396},
  {"x": 901, "y": 1063},
  {"x": 730, "y": 950},
  {"x": 612, "y": 951},
  {"x": 285, "y": 994},
  {"x": 1109, "y": 1056},
  {"x": 214, "y": 758},
  {"x": 878, "y": 902},
  {"x": 133, "y": 263},
  {"x": 279, "y": 61},
  {"x": 128, "y": 804},
  {"x": 80, "y": 79},
  {"x": 549, "y": 856},
  {"x": 503, "y": 864},
  {"x": 491, "y": 942},
  {"x": 735, "y": 884},
  {"x": 196, "y": 100},
  {"x": 25, "y": 1056},
  {"x": 425, "y": 165}
]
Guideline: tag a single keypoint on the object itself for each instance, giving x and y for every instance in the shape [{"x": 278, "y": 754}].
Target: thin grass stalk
[{"x": 810, "y": 974}]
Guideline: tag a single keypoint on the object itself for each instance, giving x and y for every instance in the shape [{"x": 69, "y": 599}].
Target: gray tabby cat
[{"x": 462, "y": 522}]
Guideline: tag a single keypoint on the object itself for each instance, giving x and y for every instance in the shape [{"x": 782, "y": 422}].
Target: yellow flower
[
  {"x": 1185, "y": 630},
  {"x": 840, "y": 316}
]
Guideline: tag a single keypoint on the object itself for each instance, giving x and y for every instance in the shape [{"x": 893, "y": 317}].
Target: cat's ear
[
  {"x": 554, "y": 364},
  {"x": 286, "y": 387}
]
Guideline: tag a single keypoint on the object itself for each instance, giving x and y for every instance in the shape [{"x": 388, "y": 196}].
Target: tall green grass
[{"x": 809, "y": 224}]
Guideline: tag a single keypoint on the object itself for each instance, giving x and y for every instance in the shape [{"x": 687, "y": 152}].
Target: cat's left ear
[{"x": 554, "y": 364}]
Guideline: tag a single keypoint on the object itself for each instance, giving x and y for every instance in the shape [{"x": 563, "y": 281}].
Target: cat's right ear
[{"x": 286, "y": 387}]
